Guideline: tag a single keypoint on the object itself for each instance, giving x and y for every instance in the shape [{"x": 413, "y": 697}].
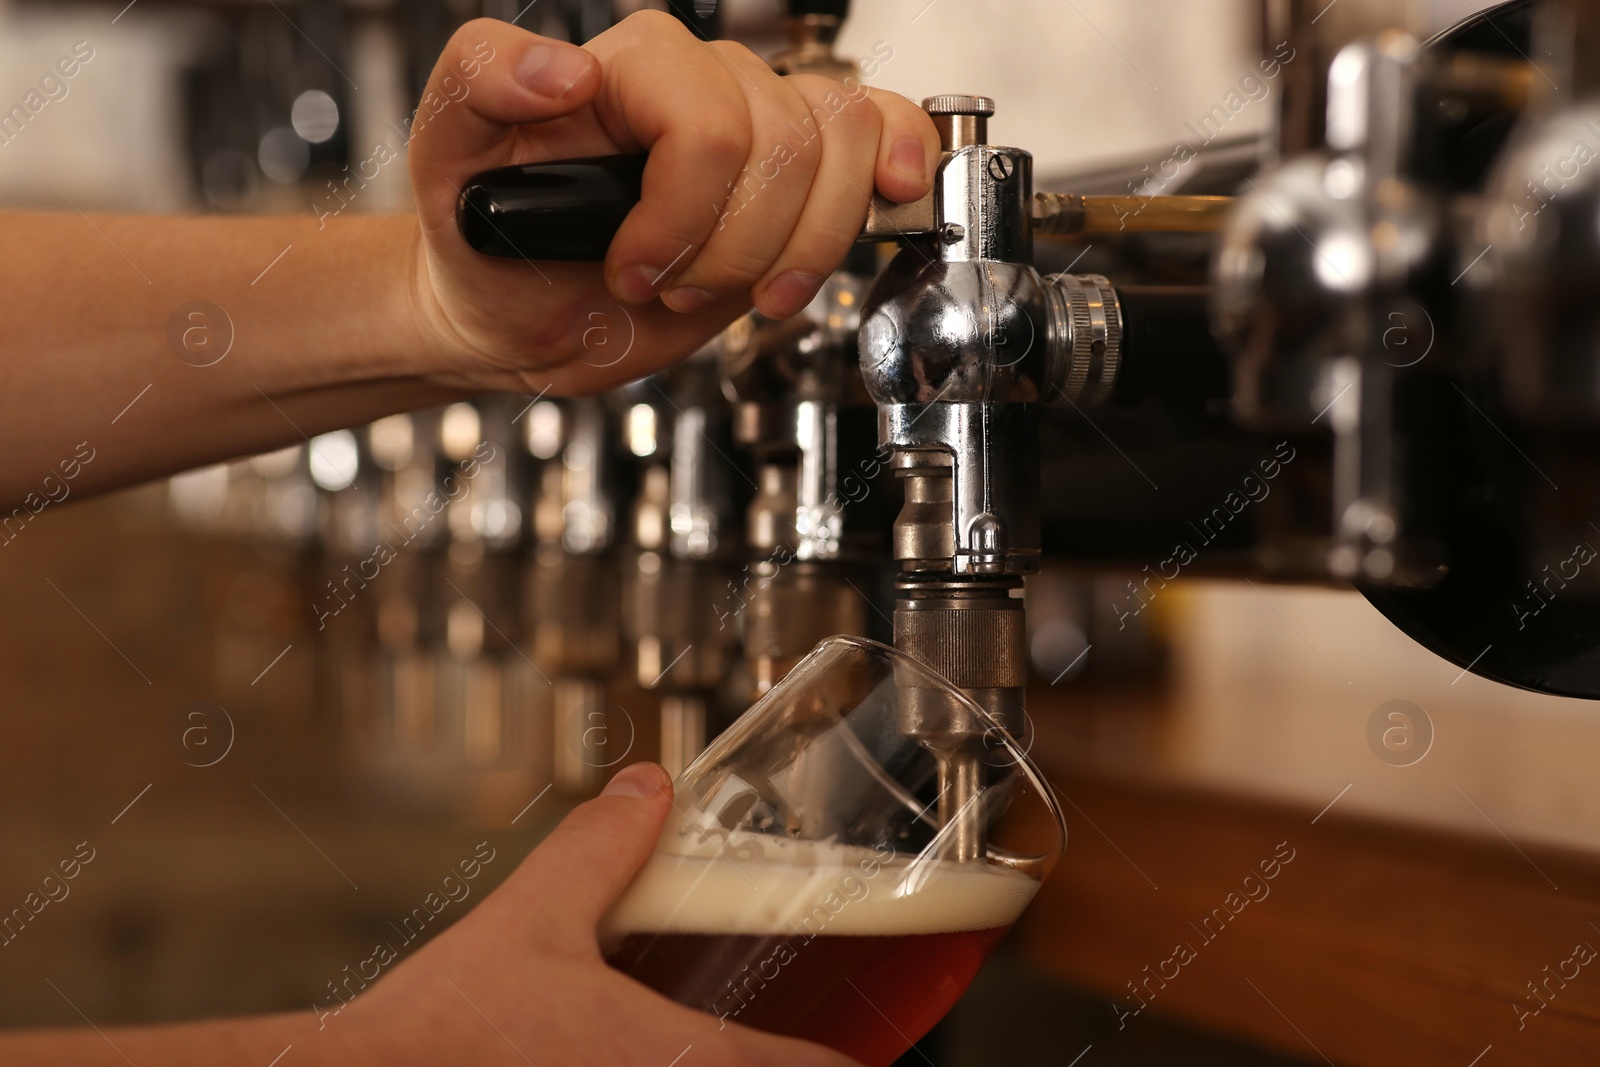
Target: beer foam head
[{"x": 759, "y": 884}]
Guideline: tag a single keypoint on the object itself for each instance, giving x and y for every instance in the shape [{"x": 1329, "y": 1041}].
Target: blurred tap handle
[
  {"x": 1483, "y": 82},
  {"x": 1063, "y": 214},
  {"x": 813, "y": 27}
]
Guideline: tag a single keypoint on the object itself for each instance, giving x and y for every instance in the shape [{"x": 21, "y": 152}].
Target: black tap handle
[{"x": 568, "y": 210}]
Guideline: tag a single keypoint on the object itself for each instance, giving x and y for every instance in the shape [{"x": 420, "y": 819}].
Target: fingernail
[
  {"x": 908, "y": 158},
  {"x": 552, "y": 70},
  {"x": 637, "y": 284},
  {"x": 685, "y": 300},
  {"x": 791, "y": 291},
  {"x": 638, "y": 781}
]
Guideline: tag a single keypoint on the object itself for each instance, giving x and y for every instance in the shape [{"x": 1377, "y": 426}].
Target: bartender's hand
[
  {"x": 739, "y": 206},
  {"x": 520, "y": 979}
]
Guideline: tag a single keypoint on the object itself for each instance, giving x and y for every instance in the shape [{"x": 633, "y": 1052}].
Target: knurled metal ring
[
  {"x": 1085, "y": 337},
  {"x": 957, "y": 104}
]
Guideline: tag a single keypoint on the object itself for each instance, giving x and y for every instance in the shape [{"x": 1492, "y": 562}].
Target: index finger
[{"x": 490, "y": 78}]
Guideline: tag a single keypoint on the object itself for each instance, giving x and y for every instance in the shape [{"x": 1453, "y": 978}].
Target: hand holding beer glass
[{"x": 815, "y": 881}]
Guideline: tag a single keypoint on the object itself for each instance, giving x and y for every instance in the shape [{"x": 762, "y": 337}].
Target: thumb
[
  {"x": 490, "y": 77},
  {"x": 576, "y": 874}
]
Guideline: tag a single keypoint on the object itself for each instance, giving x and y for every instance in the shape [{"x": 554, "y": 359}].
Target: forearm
[{"x": 108, "y": 343}]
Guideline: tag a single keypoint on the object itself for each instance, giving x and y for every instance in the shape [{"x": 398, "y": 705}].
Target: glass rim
[{"x": 1021, "y": 758}]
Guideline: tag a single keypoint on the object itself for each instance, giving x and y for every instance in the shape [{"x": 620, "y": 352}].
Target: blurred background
[{"x": 271, "y": 761}]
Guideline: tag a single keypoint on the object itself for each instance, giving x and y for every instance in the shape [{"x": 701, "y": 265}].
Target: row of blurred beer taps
[{"x": 537, "y": 589}]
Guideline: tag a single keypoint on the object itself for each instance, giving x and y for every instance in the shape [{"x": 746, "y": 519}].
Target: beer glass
[{"x": 804, "y": 884}]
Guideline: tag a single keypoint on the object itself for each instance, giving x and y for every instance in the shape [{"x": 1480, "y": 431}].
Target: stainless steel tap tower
[{"x": 961, "y": 341}]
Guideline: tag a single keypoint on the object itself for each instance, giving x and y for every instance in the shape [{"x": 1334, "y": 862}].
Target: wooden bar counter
[{"x": 1244, "y": 859}]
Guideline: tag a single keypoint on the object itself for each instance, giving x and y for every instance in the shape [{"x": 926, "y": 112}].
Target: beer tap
[
  {"x": 686, "y": 534},
  {"x": 1323, "y": 259},
  {"x": 486, "y": 732},
  {"x": 428, "y": 672},
  {"x": 572, "y": 587},
  {"x": 256, "y": 527},
  {"x": 961, "y": 340},
  {"x": 812, "y": 27},
  {"x": 343, "y": 610},
  {"x": 1538, "y": 222},
  {"x": 803, "y": 415}
]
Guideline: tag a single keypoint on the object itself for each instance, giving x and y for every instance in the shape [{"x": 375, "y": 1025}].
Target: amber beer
[{"x": 859, "y": 950}]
